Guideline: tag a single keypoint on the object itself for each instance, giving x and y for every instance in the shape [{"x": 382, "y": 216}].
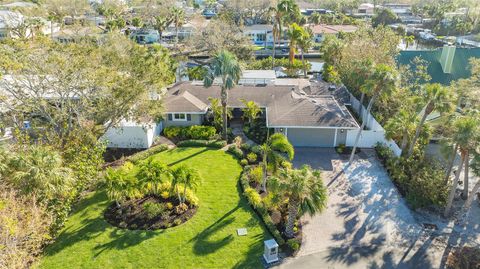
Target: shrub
[
  {"x": 200, "y": 132},
  {"x": 147, "y": 153},
  {"x": 243, "y": 162},
  {"x": 165, "y": 194},
  {"x": 257, "y": 150},
  {"x": 236, "y": 152},
  {"x": 245, "y": 147},
  {"x": 153, "y": 209},
  {"x": 251, "y": 157},
  {"x": 177, "y": 222},
  {"x": 169, "y": 206},
  {"x": 286, "y": 164},
  {"x": 293, "y": 244},
  {"x": 340, "y": 148},
  {"x": 202, "y": 143},
  {"x": 172, "y": 131},
  {"x": 256, "y": 175},
  {"x": 181, "y": 208},
  {"x": 253, "y": 197}
]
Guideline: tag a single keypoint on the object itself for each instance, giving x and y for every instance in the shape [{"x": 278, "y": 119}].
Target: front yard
[{"x": 208, "y": 240}]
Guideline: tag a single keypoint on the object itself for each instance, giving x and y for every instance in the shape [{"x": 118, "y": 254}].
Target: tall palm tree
[
  {"x": 273, "y": 152},
  {"x": 382, "y": 81},
  {"x": 186, "y": 177},
  {"x": 178, "y": 16},
  {"x": 305, "y": 43},
  {"x": 409, "y": 39},
  {"x": 226, "y": 66},
  {"x": 295, "y": 34},
  {"x": 475, "y": 165},
  {"x": 467, "y": 137},
  {"x": 401, "y": 126},
  {"x": 437, "y": 98},
  {"x": 161, "y": 23},
  {"x": 305, "y": 192},
  {"x": 279, "y": 11}
]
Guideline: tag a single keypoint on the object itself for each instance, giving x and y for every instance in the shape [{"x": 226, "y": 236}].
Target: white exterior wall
[
  {"x": 136, "y": 136},
  {"x": 375, "y": 133}
]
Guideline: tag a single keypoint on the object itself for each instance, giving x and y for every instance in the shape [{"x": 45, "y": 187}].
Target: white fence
[
  {"x": 374, "y": 133},
  {"x": 132, "y": 135}
]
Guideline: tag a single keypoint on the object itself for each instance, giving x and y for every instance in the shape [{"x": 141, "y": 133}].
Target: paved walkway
[
  {"x": 367, "y": 223},
  {"x": 237, "y": 130}
]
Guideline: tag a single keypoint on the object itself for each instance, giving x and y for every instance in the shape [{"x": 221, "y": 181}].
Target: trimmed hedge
[
  {"x": 196, "y": 132},
  {"x": 218, "y": 144},
  {"x": 142, "y": 155},
  {"x": 236, "y": 152},
  {"x": 260, "y": 209}
]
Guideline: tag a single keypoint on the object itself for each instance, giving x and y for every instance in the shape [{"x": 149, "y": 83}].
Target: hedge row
[
  {"x": 198, "y": 132},
  {"x": 218, "y": 144},
  {"x": 260, "y": 209},
  {"x": 135, "y": 158}
]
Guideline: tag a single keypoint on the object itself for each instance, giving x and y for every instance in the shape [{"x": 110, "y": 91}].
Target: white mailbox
[{"x": 270, "y": 253}]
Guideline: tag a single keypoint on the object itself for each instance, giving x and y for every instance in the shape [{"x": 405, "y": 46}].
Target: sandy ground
[{"x": 368, "y": 225}]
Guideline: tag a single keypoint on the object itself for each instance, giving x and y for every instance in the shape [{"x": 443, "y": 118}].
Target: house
[
  {"x": 322, "y": 30},
  {"x": 307, "y": 120},
  {"x": 262, "y": 35},
  {"x": 13, "y": 25},
  {"x": 8, "y": 21},
  {"x": 145, "y": 36},
  {"x": 365, "y": 10}
]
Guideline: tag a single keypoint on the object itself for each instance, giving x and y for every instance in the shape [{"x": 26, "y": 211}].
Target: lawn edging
[{"x": 217, "y": 144}]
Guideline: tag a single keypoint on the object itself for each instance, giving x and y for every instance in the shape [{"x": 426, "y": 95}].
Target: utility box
[{"x": 270, "y": 253}]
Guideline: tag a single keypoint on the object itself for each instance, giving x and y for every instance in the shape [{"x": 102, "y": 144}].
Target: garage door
[{"x": 309, "y": 137}]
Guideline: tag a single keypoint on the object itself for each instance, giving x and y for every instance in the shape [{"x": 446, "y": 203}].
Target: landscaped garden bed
[
  {"x": 256, "y": 131},
  {"x": 148, "y": 213}
]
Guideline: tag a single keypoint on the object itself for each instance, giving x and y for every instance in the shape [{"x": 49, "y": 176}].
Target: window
[
  {"x": 261, "y": 37},
  {"x": 179, "y": 117}
]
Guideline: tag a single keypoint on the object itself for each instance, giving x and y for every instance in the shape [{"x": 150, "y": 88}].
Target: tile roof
[
  {"x": 286, "y": 105},
  {"x": 332, "y": 29}
]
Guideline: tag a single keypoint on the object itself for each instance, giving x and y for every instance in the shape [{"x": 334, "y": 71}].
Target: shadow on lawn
[
  {"x": 188, "y": 157},
  {"x": 93, "y": 227}
]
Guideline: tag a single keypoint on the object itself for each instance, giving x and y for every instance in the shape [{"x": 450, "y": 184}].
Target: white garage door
[{"x": 310, "y": 137}]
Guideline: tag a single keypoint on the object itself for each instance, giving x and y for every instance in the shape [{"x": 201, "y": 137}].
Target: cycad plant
[{"x": 305, "y": 192}]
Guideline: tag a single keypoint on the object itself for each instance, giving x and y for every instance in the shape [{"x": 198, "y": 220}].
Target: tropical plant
[
  {"x": 152, "y": 174},
  {"x": 467, "y": 137},
  {"x": 305, "y": 43},
  {"x": 283, "y": 8},
  {"x": 250, "y": 111},
  {"x": 273, "y": 153},
  {"x": 409, "y": 39},
  {"x": 178, "y": 17},
  {"x": 436, "y": 98},
  {"x": 381, "y": 82},
  {"x": 226, "y": 66},
  {"x": 305, "y": 192},
  {"x": 295, "y": 34},
  {"x": 315, "y": 18},
  {"x": 401, "y": 127},
  {"x": 120, "y": 186},
  {"x": 160, "y": 23},
  {"x": 186, "y": 177}
]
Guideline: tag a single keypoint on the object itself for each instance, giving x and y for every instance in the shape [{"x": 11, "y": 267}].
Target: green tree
[
  {"x": 178, "y": 17},
  {"x": 305, "y": 192},
  {"x": 384, "y": 17},
  {"x": 186, "y": 177},
  {"x": 382, "y": 81},
  {"x": 226, "y": 66},
  {"x": 250, "y": 111},
  {"x": 295, "y": 34},
  {"x": 305, "y": 43},
  {"x": 401, "y": 127},
  {"x": 160, "y": 23},
  {"x": 282, "y": 9},
  {"x": 120, "y": 185},
  {"x": 409, "y": 39},
  {"x": 467, "y": 137},
  {"x": 436, "y": 98},
  {"x": 273, "y": 153},
  {"x": 315, "y": 18}
]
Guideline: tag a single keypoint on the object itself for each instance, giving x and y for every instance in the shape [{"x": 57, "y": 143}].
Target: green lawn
[{"x": 208, "y": 240}]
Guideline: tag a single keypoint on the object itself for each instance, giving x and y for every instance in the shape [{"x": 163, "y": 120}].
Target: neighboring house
[
  {"x": 262, "y": 35},
  {"x": 145, "y": 36},
  {"x": 322, "y": 30},
  {"x": 444, "y": 64},
  {"x": 186, "y": 30},
  {"x": 404, "y": 13},
  {"x": 307, "y": 120},
  {"x": 310, "y": 11},
  {"x": 13, "y": 25},
  {"x": 8, "y": 21},
  {"x": 365, "y": 10}
]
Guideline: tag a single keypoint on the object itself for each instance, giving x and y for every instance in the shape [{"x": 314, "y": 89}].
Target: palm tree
[
  {"x": 437, "y": 98},
  {"x": 273, "y": 152},
  {"x": 160, "y": 24},
  {"x": 467, "y": 137},
  {"x": 305, "y": 43},
  {"x": 186, "y": 177},
  {"x": 294, "y": 33},
  {"x": 315, "y": 18},
  {"x": 226, "y": 66},
  {"x": 409, "y": 39},
  {"x": 152, "y": 175},
  {"x": 305, "y": 192},
  {"x": 401, "y": 126},
  {"x": 178, "y": 16},
  {"x": 283, "y": 8},
  {"x": 382, "y": 81},
  {"x": 251, "y": 110},
  {"x": 475, "y": 165}
]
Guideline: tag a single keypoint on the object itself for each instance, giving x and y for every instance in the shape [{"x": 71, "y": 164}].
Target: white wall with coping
[
  {"x": 132, "y": 135},
  {"x": 374, "y": 133}
]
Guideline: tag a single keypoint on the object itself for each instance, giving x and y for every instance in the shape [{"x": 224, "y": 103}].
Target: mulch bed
[{"x": 132, "y": 215}]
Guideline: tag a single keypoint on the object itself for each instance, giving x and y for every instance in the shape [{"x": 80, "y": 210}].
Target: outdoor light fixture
[{"x": 342, "y": 130}]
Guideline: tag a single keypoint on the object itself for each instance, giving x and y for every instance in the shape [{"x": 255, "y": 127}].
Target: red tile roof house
[
  {"x": 321, "y": 30},
  {"x": 307, "y": 118}
]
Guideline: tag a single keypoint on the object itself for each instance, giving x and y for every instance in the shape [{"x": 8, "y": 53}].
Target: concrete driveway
[{"x": 367, "y": 224}]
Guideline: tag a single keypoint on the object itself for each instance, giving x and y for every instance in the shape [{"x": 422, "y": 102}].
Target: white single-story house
[
  {"x": 308, "y": 120},
  {"x": 320, "y": 31},
  {"x": 262, "y": 35}
]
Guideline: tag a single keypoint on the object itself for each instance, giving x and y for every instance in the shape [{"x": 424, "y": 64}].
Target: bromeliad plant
[{"x": 304, "y": 190}]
